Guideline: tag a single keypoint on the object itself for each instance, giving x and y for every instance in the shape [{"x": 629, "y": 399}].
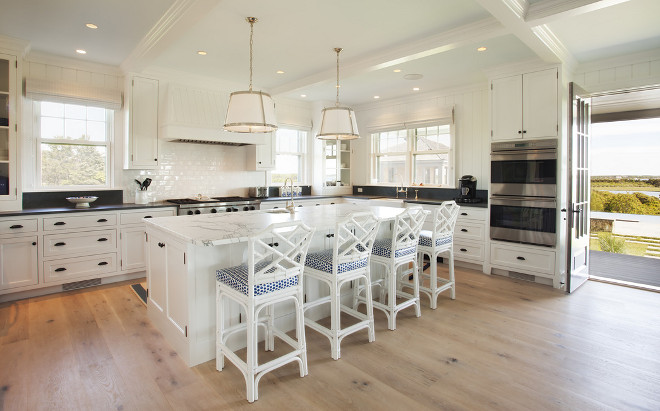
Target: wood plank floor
[{"x": 503, "y": 344}]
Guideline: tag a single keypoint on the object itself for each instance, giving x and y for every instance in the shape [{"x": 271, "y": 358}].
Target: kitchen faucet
[
  {"x": 290, "y": 207},
  {"x": 400, "y": 189}
]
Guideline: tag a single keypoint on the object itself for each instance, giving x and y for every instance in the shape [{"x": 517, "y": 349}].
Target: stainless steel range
[{"x": 192, "y": 206}]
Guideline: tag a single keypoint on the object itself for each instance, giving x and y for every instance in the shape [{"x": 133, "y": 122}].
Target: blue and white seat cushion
[
  {"x": 383, "y": 247},
  {"x": 237, "y": 278},
  {"x": 425, "y": 239},
  {"x": 322, "y": 261}
]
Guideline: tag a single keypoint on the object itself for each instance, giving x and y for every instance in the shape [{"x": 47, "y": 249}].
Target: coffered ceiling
[{"x": 437, "y": 39}]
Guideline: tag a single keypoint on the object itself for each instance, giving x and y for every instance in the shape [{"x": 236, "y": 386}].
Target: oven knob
[
  {"x": 252, "y": 208},
  {"x": 198, "y": 212},
  {"x": 213, "y": 211},
  {"x": 228, "y": 209},
  {"x": 234, "y": 209},
  {"x": 190, "y": 212},
  {"x": 246, "y": 208}
]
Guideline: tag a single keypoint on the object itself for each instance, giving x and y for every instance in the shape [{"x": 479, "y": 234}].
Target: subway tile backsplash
[{"x": 188, "y": 169}]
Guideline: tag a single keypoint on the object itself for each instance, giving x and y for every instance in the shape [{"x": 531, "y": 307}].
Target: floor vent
[
  {"x": 521, "y": 276},
  {"x": 81, "y": 284}
]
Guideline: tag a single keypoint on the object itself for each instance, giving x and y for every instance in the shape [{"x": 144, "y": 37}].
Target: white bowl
[{"x": 82, "y": 202}]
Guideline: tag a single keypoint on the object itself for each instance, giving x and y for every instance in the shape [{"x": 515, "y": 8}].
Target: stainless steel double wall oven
[{"x": 524, "y": 192}]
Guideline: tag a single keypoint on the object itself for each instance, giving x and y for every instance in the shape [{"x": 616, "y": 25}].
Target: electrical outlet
[{"x": 359, "y": 189}]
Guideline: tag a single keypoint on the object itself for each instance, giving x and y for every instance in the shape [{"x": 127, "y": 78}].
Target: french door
[{"x": 578, "y": 218}]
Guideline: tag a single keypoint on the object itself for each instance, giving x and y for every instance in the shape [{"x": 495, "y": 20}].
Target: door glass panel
[{"x": 4, "y": 76}]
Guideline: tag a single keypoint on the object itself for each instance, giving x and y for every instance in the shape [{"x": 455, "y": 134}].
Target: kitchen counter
[
  {"x": 72, "y": 209},
  {"x": 373, "y": 197}
]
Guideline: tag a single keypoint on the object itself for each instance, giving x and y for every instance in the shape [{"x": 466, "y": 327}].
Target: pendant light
[
  {"x": 338, "y": 123},
  {"x": 250, "y": 111}
]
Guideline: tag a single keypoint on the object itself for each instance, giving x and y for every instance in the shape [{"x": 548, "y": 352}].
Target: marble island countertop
[{"x": 227, "y": 228}]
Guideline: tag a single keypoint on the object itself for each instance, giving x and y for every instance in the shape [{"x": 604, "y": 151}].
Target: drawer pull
[
  {"x": 464, "y": 230},
  {"x": 57, "y": 270},
  {"x": 161, "y": 245},
  {"x": 102, "y": 239},
  {"x": 59, "y": 223},
  {"x": 273, "y": 244},
  {"x": 464, "y": 250},
  {"x": 59, "y": 244},
  {"x": 464, "y": 214},
  {"x": 521, "y": 258},
  {"x": 101, "y": 220},
  {"x": 16, "y": 226},
  {"x": 148, "y": 216},
  {"x": 329, "y": 235},
  {"x": 103, "y": 263}
]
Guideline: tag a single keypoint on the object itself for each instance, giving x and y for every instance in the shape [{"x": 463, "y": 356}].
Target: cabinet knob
[
  {"x": 16, "y": 226},
  {"x": 521, "y": 258},
  {"x": 524, "y": 131},
  {"x": 519, "y": 131},
  {"x": 59, "y": 244},
  {"x": 155, "y": 159},
  {"x": 34, "y": 243}
]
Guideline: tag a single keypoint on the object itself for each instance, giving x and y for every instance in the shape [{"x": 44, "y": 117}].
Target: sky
[{"x": 626, "y": 148}]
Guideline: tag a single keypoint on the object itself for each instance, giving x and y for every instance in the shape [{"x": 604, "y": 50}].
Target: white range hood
[{"x": 191, "y": 115}]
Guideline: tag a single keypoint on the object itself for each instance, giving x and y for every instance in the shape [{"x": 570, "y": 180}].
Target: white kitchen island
[{"x": 184, "y": 252}]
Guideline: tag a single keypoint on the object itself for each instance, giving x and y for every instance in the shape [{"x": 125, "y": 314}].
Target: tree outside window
[{"x": 289, "y": 156}]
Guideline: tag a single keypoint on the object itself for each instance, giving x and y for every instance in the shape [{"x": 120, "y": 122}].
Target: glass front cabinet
[
  {"x": 337, "y": 167},
  {"x": 8, "y": 128}
]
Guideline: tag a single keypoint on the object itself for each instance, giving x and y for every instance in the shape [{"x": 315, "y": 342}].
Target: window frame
[
  {"x": 108, "y": 144},
  {"x": 303, "y": 135},
  {"x": 411, "y": 152}
]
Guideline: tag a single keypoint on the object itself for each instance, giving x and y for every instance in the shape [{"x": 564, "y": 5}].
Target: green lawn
[{"x": 631, "y": 248}]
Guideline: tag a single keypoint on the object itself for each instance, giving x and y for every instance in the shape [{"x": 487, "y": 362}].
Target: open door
[{"x": 578, "y": 219}]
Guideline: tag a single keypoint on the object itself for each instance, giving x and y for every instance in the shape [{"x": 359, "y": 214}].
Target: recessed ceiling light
[
  {"x": 279, "y": 72},
  {"x": 303, "y": 95},
  {"x": 397, "y": 70},
  {"x": 415, "y": 88},
  {"x": 91, "y": 26},
  {"x": 376, "y": 97},
  {"x": 482, "y": 48},
  {"x": 81, "y": 51},
  {"x": 202, "y": 53}
]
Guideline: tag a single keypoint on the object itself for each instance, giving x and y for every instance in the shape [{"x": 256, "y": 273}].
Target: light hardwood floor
[{"x": 502, "y": 344}]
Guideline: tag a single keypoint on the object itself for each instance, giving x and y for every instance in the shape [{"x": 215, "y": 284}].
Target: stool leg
[
  {"x": 251, "y": 387},
  {"x": 370, "y": 307},
  {"x": 269, "y": 341},
  {"x": 220, "y": 327},
  {"x": 335, "y": 312},
  {"x": 391, "y": 290},
  {"x": 300, "y": 334},
  {"x": 451, "y": 273},
  {"x": 418, "y": 306},
  {"x": 433, "y": 282}
]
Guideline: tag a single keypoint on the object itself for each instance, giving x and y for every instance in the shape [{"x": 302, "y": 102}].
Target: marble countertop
[
  {"x": 376, "y": 197},
  {"x": 227, "y": 228}
]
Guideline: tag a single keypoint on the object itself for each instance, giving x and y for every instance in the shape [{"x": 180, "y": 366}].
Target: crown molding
[
  {"x": 18, "y": 46},
  {"x": 555, "y": 45},
  {"x": 544, "y": 12}
]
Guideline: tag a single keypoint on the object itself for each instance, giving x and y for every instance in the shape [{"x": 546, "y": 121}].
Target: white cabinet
[
  {"x": 133, "y": 237},
  {"x": 525, "y": 259},
  {"x": 262, "y": 156},
  {"x": 470, "y": 235},
  {"x": 337, "y": 167},
  {"x": 18, "y": 262},
  {"x": 9, "y": 198},
  {"x": 141, "y": 105},
  {"x": 525, "y": 106}
]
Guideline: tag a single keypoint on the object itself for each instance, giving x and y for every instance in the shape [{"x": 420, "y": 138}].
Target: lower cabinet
[
  {"x": 525, "y": 259},
  {"x": 133, "y": 255},
  {"x": 71, "y": 269},
  {"x": 18, "y": 262}
]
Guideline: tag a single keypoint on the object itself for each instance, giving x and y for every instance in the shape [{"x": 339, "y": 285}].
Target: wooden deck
[{"x": 633, "y": 269}]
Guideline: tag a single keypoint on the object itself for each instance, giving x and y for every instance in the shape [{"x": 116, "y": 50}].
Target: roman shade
[
  {"x": 401, "y": 118},
  {"x": 62, "y": 91}
]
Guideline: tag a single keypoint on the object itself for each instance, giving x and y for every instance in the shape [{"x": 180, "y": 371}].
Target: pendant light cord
[
  {"x": 337, "y": 50},
  {"x": 251, "y": 20}
]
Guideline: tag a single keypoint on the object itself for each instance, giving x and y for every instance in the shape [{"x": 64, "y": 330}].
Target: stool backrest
[
  {"x": 444, "y": 220},
  {"x": 354, "y": 237},
  {"x": 278, "y": 252},
  {"x": 407, "y": 227}
]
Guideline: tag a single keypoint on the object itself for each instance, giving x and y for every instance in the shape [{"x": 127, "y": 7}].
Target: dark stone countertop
[
  {"x": 373, "y": 197},
  {"x": 72, "y": 209}
]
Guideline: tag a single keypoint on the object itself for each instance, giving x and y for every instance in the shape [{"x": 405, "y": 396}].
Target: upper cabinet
[
  {"x": 337, "y": 167},
  {"x": 262, "y": 156},
  {"x": 525, "y": 106},
  {"x": 141, "y": 145},
  {"x": 8, "y": 132}
]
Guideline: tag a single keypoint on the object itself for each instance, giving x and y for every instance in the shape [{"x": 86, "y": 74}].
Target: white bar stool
[
  {"x": 439, "y": 241},
  {"x": 347, "y": 261},
  {"x": 272, "y": 274},
  {"x": 399, "y": 251}
]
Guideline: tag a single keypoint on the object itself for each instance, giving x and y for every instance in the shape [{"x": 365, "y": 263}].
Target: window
[
  {"x": 421, "y": 155},
  {"x": 289, "y": 156},
  {"x": 73, "y": 145}
]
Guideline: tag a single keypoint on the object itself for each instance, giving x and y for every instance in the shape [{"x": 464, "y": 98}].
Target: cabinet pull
[
  {"x": 59, "y": 223},
  {"x": 59, "y": 244},
  {"x": 521, "y": 258},
  {"x": 464, "y": 230},
  {"x": 102, "y": 239},
  {"x": 34, "y": 243},
  {"x": 148, "y": 216},
  {"x": 519, "y": 131},
  {"x": 161, "y": 245},
  {"x": 273, "y": 244},
  {"x": 60, "y": 269},
  {"x": 463, "y": 249},
  {"x": 16, "y": 226},
  {"x": 103, "y": 263},
  {"x": 329, "y": 235},
  {"x": 101, "y": 220},
  {"x": 463, "y": 213}
]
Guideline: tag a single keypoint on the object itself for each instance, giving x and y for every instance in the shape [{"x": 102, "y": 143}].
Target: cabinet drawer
[
  {"x": 522, "y": 259},
  {"x": 91, "y": 221},
  {"x": 18, "y": 226},
  {"x": 466, "y": 251},
  {"x": 135, "y": 217},
  {"x": 71, "y": 268},
  {"x": 472, "y": 213},
  {"x": 469, "y": 231},
  {"x": 90, "y": 242}
]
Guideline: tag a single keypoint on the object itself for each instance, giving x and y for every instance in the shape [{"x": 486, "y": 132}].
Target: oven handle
[
  {"x": 548, "y": 154},
  {"x": 524, "y": 201}
]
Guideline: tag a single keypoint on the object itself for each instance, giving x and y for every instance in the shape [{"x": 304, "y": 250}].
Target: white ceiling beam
[
  {"x": 178, "y": 19},
  {"x": 428, "y": 46},
  {"x": 545, "y": 12}
]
